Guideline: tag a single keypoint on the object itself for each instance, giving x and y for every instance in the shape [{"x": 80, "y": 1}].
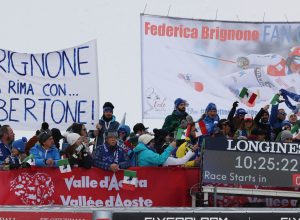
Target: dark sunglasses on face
[
  {"x": 225, "y": 123},
  {"x": 282, "y": 113}
]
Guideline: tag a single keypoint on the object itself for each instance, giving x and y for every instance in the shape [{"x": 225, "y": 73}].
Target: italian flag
[
  {"x": 30, "y": 160},
  {"x": 248, "y": 96},
  {"x": 200, "y": 128},
  {"x": 64, "y": 166},
  {"x": 130, "y": 180}
]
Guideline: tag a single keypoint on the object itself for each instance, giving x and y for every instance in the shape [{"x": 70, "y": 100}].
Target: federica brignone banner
[{"x": 211, "y": 61}]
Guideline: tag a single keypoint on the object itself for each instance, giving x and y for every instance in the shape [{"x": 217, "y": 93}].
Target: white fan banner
[
  {"x": 211, "y": 61},
  {"x": 59, "y": 87}
]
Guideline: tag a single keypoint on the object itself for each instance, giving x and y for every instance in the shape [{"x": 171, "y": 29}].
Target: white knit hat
[
  {"x": 248, "y": 117},
  {"x": 72, "y": 138},
  {"x": 145, "y": 138}
]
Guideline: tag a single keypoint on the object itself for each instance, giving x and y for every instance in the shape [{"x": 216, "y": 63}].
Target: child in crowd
[{"x": 17, "y": 154}]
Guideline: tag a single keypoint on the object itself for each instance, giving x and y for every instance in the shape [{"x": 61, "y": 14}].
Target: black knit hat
[
  {"x": 45, "y": 126},
  {"x": 108, "y": 106},
  {"x": 56, "y": 134},
  {"x": 43, "y": 136}
]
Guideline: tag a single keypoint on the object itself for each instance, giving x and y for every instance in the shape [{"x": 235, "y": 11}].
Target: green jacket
[{"x": 172, "y": 122}]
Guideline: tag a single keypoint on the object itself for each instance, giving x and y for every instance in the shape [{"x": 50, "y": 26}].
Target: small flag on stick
[
  {"x": 200, "y": 128},
  {"x": 130, "y": 180},
  {"x": 275, "y": 99},
  {"x": 29, "y": 159},
  {"x": 247, "y": 95},
  {"x": 180, "y": 134},
  {"x": 64, "y": 166}
]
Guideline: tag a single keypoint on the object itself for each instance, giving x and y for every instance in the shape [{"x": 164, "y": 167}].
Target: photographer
[{"x": 78, "y": 152}]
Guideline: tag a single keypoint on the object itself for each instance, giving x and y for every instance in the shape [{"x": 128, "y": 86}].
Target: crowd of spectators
[{"x": 112, "y": 146}]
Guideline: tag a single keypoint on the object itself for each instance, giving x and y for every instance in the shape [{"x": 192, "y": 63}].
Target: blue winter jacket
[
  {"x": 105, "y": 155},
  {"x": 211, "y": 123},
  {"x": 41, "y": 155},
  {"x": 111, "y": 126},
  {"x": 4, "y": 152},
  {"x": 147, "y": 157},
  {"x": 274, "y": 121}
]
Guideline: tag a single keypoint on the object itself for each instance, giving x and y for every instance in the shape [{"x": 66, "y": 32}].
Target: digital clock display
[{"x": 267, "y": 164}]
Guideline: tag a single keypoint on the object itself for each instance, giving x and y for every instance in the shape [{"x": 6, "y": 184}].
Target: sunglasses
[
  {"x": 247, "y": 121},
  {"x": 226, "y": 123},
  {"x": 282, "y": 113}
]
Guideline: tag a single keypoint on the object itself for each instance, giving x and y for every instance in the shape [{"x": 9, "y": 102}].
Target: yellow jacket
[{"x": 181, "y": 151}]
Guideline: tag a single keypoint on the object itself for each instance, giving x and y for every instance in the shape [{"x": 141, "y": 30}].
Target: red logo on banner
[
  {"x": 36, "y": 189},
  {"x": 296, "y": 179}
]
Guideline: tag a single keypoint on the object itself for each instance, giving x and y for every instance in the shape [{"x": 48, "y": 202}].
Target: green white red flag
[
  {"x": 130, "y": 180},
  {"x": 248, "y": 96}
]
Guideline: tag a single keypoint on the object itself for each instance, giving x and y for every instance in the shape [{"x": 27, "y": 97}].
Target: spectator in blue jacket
[
  {"x": 107, "y": 123},
  {"x": 45, "y": 152},
  {"x": 276, "y": 120},
  {"x": 110, "y": 156},
  {"x": 211, "y": 118},
  {"x": 17, "y": 153},
  {"x": 7, "y": 136}
]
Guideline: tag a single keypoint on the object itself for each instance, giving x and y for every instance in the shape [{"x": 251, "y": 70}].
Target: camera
[{"x": 80, "y": 151}]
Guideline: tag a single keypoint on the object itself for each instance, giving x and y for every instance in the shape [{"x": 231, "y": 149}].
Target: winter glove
[
  {"x": 235, "y": 104},
  {"x": 242, "y": 62}
]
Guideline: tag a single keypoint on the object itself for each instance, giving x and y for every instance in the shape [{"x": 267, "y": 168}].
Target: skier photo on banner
[{"x": 266, "y": 74}]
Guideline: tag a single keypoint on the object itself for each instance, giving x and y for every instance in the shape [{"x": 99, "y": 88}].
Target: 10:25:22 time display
[{"x": 266, "y": 163}]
